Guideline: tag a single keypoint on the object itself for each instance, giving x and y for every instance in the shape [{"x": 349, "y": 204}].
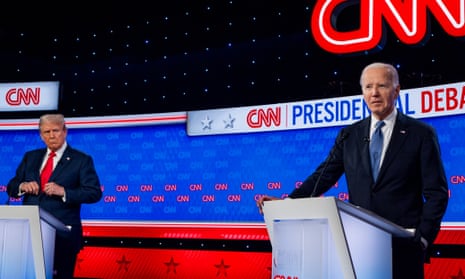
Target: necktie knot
[{"x": 379, "y": 125}]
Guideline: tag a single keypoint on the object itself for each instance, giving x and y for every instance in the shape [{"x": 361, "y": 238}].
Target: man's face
[
  {"x": 53, "y": 135},
  {"x": 379, "y": 92}
]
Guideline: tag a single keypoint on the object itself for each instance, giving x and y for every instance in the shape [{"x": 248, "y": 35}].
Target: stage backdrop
[{"x": 151, "y": 170}]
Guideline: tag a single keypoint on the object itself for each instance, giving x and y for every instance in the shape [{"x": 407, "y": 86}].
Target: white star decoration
[
  {"x": 207, "y": 123},
  {"x": 229, "y": 123}
]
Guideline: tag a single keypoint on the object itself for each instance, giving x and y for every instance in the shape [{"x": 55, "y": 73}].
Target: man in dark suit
[
  {"x": 74, "y": 181},
  {"x": 411, "y": 188}
]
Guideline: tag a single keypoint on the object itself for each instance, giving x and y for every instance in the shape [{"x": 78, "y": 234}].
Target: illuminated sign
[
  {"x": 407, "y": 19},
  {"x": 432, "y": 101},
  {"x": 29, "y": 96},
  {"x": 257, "y": 118}
]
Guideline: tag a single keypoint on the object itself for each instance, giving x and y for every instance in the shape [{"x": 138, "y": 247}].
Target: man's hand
[
  {"x": 53, "y": 189},
  {"x": 263, "y": 199},
  {"x": 31, "y": 188}
]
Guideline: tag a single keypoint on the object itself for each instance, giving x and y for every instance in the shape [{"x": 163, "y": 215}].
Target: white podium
[
  {"x": 328, "y": 238},
  {"x": 27, "y": 242}
]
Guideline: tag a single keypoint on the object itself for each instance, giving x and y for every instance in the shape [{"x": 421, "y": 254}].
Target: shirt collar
[
  {"x": 60, "y": 150},
  {"x": 389, "y": 120}
]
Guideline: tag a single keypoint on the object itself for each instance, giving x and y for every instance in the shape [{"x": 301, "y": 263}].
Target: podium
[
  {"x": 328, "y": 238},
  {"x": 27, "y": 242}
]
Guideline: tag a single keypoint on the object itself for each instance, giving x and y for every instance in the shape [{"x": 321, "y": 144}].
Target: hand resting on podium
[{"x": 264, "y": 198}]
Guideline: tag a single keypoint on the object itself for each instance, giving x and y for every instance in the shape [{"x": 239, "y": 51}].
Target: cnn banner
[
  {"x": 432, "y": 101},
  {"x": 29, "y": 96}
]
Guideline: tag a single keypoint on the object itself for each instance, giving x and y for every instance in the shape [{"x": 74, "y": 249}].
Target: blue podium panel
[
  {"x": 304, "y": 249},
  {"x": 327, "y": 238},
  {"x": 27, "y": 242}
]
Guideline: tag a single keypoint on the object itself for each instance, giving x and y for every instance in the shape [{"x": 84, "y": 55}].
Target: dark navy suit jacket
[
  {"x": 411, "y": 189},
  {"x": 75, "y": 172}
]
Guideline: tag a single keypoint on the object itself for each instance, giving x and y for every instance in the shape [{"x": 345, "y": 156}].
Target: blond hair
[{"x": 57, "y": 118}]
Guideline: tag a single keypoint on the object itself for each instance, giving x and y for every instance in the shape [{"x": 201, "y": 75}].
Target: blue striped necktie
[{"x": 376, "y": 147}]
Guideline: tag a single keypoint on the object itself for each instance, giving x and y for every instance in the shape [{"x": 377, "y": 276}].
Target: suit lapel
[
  {"x": 39, "y": 158},
  {"x": 363, "y": 133},
  {"x": 61, "y": 165}
]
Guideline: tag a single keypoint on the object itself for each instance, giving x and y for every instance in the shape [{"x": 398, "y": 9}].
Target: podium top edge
[{"x": 374, "y": 219}]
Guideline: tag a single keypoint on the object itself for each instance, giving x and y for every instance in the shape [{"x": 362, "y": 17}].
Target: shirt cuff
[{"x": 424, "y": 243}]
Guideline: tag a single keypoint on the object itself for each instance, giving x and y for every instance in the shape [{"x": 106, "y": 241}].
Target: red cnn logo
[
  {"x": 18, "y": 96},
  {"x": 257, "y": 118},
  {"x": 408, "y": 20}
]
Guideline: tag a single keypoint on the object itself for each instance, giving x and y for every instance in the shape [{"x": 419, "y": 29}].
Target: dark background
[{"x": 168, "y": 56}]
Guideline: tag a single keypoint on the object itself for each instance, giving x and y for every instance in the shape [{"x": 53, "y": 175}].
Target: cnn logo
[{"x": 18, "y": 96}]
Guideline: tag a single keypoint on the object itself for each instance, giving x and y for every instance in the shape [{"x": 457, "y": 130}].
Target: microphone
[
  {"x": 366, "y": 139},
  {"x": 343, "y": 137}
]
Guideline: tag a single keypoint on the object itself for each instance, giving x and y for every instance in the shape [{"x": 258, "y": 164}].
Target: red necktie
[{"x": 47, "y": 171}]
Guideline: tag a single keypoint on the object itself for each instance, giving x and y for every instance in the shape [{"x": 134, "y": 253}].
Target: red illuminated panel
[
  {"x": 451, "y": 234},
  {"x": 226, "y": 231},
  {"x": 116, "y": 262},
  {"x": 445, "y": 268},
  {"x": 162, "y": 263}
]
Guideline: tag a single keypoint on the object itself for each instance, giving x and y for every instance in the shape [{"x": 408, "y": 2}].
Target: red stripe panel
[
  {"x": 177, "y": 230},
  {"x": 163, "y": 263}
]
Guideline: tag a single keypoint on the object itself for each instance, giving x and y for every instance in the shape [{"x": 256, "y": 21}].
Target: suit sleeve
[
  {"x": 326, "y": 174},
  {"x": 88, "y": 189},
  {"x": 24, "y": 172},
  {"x": 435, "y": 188}
]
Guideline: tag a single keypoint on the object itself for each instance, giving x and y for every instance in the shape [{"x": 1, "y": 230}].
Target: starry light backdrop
[{"x": 186, "y": 55}]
